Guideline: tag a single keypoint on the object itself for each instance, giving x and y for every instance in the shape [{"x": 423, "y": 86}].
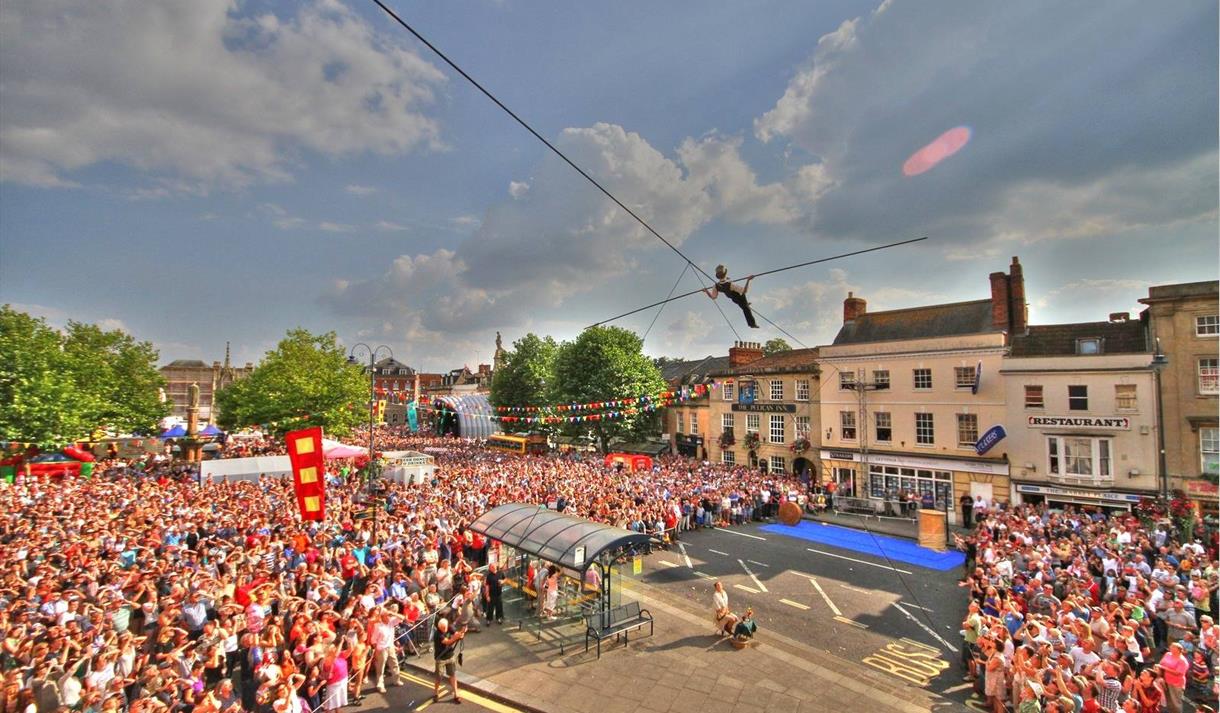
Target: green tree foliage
[
  {"x": 59, "y": 387},
  {"x": 305, "y": 381},
  {"x": 606, "y": 363},
  {"x": 122, "y": 375},
  {"x": 525, "y": 377},
  {"x": 775, "y": 346}
]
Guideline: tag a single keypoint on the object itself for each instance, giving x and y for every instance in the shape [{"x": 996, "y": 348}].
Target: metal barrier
[{"x": 855, "y": 506}]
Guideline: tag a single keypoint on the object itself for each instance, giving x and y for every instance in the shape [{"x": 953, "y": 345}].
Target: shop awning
[{"x": 570, "y": 542}]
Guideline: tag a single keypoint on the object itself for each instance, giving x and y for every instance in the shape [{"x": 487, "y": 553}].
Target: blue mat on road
[{"x": 870, "y": 544}]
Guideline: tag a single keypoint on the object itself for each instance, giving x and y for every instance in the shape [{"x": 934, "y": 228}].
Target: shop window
[
  {"x": 925, "y": 431},
  {"x": 847, "y": 425},
  {"x": 1033, "y": 396},
  {"x": 885, "y": 426},
  {"x": 1078, "y": 398},
  {"x": 967, "y": 429}
]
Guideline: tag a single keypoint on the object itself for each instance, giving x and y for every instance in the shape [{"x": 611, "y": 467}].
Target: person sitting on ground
[
  {"x": 725, "y": 620},
  {"x": 746, "y": 627}
]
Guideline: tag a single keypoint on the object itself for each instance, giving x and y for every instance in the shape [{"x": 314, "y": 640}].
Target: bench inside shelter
[{"x": 616, "y": 622}]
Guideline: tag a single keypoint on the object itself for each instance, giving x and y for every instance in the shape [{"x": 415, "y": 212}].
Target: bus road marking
[
  {"x": 909, "y": 660},
  {"x": 925, "y": 627}
]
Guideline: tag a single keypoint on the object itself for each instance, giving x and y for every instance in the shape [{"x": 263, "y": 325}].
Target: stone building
[
  {"x": 908, "y": 392},
  {"x": 773, "y": 398},
  {"x": 1184, "y": 317},
  {"x": 688, "y": 424},
  {"x": 181, "y": 373},
  {"x": 1081, "y": 424}
]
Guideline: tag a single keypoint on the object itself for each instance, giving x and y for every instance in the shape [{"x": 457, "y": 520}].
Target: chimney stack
[
  {"x": 1001, "y": 301},
  {"x": 743, "y": 353},
  {"x": 1016, "y": 290},
  {"x": 853, "y": 307}
]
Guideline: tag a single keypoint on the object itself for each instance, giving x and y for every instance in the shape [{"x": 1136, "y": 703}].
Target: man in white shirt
[
  {"x": 382, "y": 640},
  {"x": 1083, "y": 656}
]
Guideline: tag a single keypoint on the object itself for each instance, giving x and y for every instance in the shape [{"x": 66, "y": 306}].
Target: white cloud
[
  {"x": 194, "y": 91},
  {"x": 517, "y": 189},
  {"x": 465, "y": 221},
  {"x": 280, "y": 217},
  {"x": 357, "y": 190},
  {"x": 330, "y": 227},
  {"x": 390, "y": 226}
]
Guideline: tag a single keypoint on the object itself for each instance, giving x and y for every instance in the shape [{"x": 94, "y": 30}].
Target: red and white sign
[{"x": 308, "y": 472}]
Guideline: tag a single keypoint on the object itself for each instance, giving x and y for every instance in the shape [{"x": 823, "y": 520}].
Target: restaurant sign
[
  {"x": 1109, "y": 423},
  {"x": 765, "y": 408}
]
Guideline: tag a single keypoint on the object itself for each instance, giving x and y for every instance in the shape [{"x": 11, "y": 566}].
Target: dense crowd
[
  {"x": 1079, "y": 612},
  {"x": 141, "y": 589}
]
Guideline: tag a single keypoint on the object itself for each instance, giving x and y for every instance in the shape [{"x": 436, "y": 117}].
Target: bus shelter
[{"x": 585, "y": 554}]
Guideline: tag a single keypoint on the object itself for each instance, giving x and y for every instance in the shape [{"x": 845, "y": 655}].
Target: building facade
[
  {"x": 908, "y": 393},
  {"x": 1081, "y": 424},
  {"x": 394, "y": 381},
  {"x": 181, "y": 373},
  {"x": 1184, "y": 318},
  {"x": 763, "y": 412},
  {"x": 687, "y": 425}
]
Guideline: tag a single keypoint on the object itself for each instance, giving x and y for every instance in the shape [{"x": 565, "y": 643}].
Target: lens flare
[{"x": 940, "y": 149}]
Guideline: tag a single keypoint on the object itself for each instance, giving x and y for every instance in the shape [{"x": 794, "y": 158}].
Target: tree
[
  {"x": 42, "y": 401},
  {"x": 305, "y": 381},
  {"x": 605, "y": 364},
  {"x": 525, "y": 376},
  {"x": 120, "y": 373},
  {"x": 775, "y": 346}
]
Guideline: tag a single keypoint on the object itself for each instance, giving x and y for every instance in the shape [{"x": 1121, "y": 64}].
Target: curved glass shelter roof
[{"x": 553, "y": 536}]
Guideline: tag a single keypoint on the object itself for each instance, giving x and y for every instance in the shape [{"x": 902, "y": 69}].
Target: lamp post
[
  {"x": 1159, "y": 362},
  {"x": 351, "y": 359}
]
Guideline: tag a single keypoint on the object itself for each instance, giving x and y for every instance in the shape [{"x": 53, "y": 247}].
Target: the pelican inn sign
[{"x": 1108, "y": 423}]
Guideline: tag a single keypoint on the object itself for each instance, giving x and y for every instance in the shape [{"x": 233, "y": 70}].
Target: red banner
[{"x": 308, "y": 472}]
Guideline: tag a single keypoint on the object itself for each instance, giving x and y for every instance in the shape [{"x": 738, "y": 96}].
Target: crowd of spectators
[
  {"x": 1079, "y": 611},
  {"x": 142, "y": 589}
]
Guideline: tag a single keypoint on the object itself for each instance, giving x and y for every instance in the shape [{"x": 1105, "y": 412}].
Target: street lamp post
[
  {"x": 351, "y": 359},
  {"x": 1159, "y": 362}
]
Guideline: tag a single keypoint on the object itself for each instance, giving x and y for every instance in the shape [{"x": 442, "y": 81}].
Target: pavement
[{"x": 839, "y": 630}]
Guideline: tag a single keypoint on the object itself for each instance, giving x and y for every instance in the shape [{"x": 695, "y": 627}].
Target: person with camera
[{"x": 445, "y": 647}]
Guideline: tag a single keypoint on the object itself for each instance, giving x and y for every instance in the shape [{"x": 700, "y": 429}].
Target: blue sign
[
  {"x": 978, "y": 379},
  {"x": 994, "y": 435},
  {"x": 745, "y": 392}
]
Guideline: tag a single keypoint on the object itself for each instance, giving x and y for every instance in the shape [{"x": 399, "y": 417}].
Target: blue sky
[{"x": 202, "y": 172}]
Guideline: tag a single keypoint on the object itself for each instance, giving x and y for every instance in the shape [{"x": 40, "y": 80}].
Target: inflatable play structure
[{"x": 69, "y": 461}]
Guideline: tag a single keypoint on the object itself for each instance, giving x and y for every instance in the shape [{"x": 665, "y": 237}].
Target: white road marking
[
  {"x": 726, "y": 554},
  {"x": 751, "y": 590},
  {"x": 754, "y": 577},
  {"x": 925, "y": 627},
  {"x": 667, "y": 563},
  {"x": 845, "y": 620},
  {"x": 955, "y": 689},
  {"x": 916, "y": 606},
  {"x": 760, "y": 564},
  {"x": 853, "y": 559},
  {"x": 705, "y": 576},
  {"x": 791, "y": 603},
  {"x": 847, "y": 586},
  {"x": 685, "y": 556},
  {"x": 742, "y": 534},
  {"x": 825, "y": 597}
]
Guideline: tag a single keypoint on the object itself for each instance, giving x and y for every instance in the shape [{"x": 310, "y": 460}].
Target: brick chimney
[
  {"x": 484, "y": 369},
  {"x": 743, "y": 353},
  {"x": 1001, "y": 301},
  {"x": 853, "y": 307},
  {"x": 1018, "y": 308}
]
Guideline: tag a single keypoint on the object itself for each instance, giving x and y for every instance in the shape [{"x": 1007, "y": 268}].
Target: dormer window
[{"x": 1088, "y": 345}]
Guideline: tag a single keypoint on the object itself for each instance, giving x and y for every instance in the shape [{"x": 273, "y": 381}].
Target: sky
[{"x": 206, "y": 171}]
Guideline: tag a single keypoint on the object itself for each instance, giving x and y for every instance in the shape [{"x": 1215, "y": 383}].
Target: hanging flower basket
[
  {"x": 752, "y": 441},
  {"x": 800, "y": 445},
  {"x": 726, "y": 439}
]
